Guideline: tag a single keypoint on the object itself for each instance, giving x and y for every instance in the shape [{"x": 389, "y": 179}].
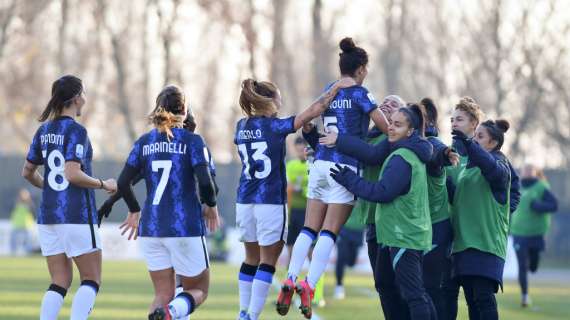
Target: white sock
[
  {"x": 299, "y": 253},
  {"x": 51, "y": 303},
  {"x": 181, "y": 306},
  {"x": 259, "y": 289},
  {"x": 245, "y": 280},
  {"x": 244, "y": 294},
  {"x": 84, "y": 300},
  {"x": 321, "y": 255}
]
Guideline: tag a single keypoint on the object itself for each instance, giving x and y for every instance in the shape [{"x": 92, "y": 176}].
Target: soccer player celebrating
[
  {"x": 403, "y": 225},
  {"x": 261, "y": 215},
  {"x": 172, "y": 224},
  {"x": 329, "y": 203},
  {"x": 480, "y": 218},
  {"x": 67, "y": 212},
  {"x": 530, "y": 223},
  {"x": 105, "y": 209}
]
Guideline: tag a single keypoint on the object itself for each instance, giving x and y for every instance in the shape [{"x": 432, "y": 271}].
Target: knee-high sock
[
  {"x": 321, "y": 255},
  {"x": 300, "y": 251},
  {"x": 84, "y": 300},
  {"x": 182, "y": 306},
  {"x": 259, "y": 289},
  {"x": 245, "y": 281},
  {"x": 52, "y": 302}
]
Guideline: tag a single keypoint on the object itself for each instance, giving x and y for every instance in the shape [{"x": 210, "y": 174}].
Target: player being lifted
[
  {"x": 67, "y": 211},
  {"x": 329, "y": 203},
  {"x": 172, "y": 227},
  {"x": 261, "y": 214}
]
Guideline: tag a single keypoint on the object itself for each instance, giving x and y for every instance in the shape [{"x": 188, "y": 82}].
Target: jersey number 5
[
  {"x": 165, "y": 165},
  {"x": 258, "y": 155}
]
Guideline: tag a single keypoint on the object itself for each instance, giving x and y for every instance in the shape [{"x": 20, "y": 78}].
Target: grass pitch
[{"x": 126, "y": 292}]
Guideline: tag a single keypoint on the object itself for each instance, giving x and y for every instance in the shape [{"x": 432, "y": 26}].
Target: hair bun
[
  {"x": 502, "y": 125},
  {"x": 347, "y": 45},
  {"x": 467, "y": 100}
]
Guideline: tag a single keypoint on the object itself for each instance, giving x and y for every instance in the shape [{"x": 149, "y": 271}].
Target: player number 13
[{"x": 258, "y": 155}]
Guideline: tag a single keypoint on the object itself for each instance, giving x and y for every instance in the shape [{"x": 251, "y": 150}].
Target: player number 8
[{"x": 56, "y": 170}]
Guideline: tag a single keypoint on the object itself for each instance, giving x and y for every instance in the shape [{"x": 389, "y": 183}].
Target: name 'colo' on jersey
[
  {"x": 347, "y": 114},
  {"x": 261, "y": 146},
  {"x": 172, "y": 207},
  {"x": 54, "y": 143}
]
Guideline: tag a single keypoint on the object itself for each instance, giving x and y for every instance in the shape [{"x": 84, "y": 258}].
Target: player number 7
[{"x": 166, "y": 165}]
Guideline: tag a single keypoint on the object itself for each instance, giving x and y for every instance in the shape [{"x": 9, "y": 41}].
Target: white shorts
[
  {"x": 323, "y": 187},
  {"x": 188, "y": 256},
  {"x": 262, "y": 223},
  {"x": 72, "y": 239}
]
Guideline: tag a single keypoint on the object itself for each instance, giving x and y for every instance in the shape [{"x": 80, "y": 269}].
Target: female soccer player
[
  {"x": 67, "y": 212},
  {"x": 172, "y": 224},
  {"x": 329, "y": 203},
  {"x": 403, "y": 226},
  {"x": 364, "y": 211},
  {"x": 480, "y": 218},
  {"x": 530, "y": 223},
  {"x": 261, "y": 196},
  {"x": 105, "y": 209},
  {"x": 466, "y": 117}
]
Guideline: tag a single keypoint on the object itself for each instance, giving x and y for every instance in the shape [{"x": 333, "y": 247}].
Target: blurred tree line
[{"x": 511, "y": 56}]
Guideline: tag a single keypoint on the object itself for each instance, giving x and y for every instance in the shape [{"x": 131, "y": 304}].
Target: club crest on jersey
[
  {"x": 79, "y": 151},
  {"x": 371, "y": 98}
]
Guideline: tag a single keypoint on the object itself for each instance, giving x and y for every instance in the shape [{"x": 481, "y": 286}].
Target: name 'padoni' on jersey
[
  {"x": 261, "y": 146},
  {"x": 172, "y": 207},
  {"x": 348, "y": 114},
  {"x": 54, "y": 143}
]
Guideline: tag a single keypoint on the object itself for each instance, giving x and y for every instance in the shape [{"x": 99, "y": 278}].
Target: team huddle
[{"x": 437, "y": 216}]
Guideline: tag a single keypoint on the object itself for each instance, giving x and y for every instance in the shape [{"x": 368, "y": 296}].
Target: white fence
[{"x": 117, "y": 247}]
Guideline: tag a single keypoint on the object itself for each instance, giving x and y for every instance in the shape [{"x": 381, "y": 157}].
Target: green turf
[{"x": 126, "y": 292}]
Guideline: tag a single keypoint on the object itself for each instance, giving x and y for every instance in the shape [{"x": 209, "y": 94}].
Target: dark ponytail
[
  {"x": 431, "y": 113},
  {"x": 416, "y": 116},
  {"x": 63, "y": 90},
  {"x": 497, "y": 130},
  {"x": 351, "y": 57}
]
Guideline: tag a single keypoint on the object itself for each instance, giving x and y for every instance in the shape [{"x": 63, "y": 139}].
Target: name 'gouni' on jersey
[
  {"x": 347, "y": 114},
  {"x": 261, "y": 146},
  {"x": 172, "y": 207},
  {"x": 54, "y": 143}
]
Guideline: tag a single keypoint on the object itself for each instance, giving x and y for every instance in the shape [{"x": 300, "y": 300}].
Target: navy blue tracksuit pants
[{"x": 402, "y": 292}]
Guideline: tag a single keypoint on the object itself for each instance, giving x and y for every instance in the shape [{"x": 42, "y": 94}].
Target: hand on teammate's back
[
  {"x": 329, "y": 139},
  {"x": 131, "y": 224},
  {"x": 110, "y": 185},
  {"x": 212, "y": 218},
  {"x": 342, "y": 174},
  {"x": 345, "y": 82}
]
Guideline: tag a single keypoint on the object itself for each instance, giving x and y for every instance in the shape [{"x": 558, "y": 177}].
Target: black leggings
[
  {"x": 402, "y": 292},
  {"x": 450, "y": 292},
  {"x": 435, "y": 265},
  {"x": 528, "y": 259},
  {"x": 480, "y": 296}
]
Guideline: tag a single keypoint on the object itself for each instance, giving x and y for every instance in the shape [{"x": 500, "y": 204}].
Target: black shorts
[{"x": 296, "y": 223}]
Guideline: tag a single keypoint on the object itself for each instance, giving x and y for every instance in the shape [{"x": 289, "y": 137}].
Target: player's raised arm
[{"x": 322, "y": 102}]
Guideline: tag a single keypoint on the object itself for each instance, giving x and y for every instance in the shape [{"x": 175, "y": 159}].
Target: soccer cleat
[
  {"x": 307, "y": 294},
  {"x": 243, "y": 315},
  {"x": 160, "y": 313},
  {"x": 285, "y": 296},
  {"x": 525, "y": 301}
]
